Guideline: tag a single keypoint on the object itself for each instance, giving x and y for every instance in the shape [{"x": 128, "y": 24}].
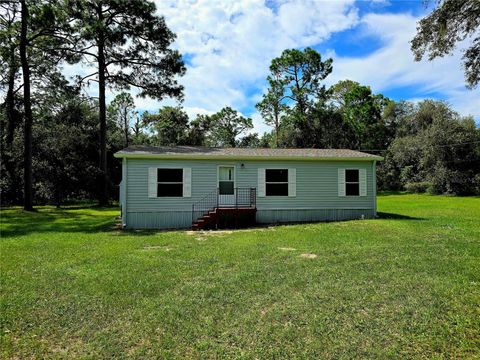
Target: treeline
[{"x": 59, "y": 143}]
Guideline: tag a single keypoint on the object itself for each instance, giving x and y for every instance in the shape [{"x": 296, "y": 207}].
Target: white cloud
[
  {"x": 229, "y": 46},
  {"x": 392, "y": 66}
]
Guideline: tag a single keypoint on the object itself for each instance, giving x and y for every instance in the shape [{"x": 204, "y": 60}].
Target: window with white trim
[
  {"x": 276, "y": 182},
  {"x": 169, "y": 182},
  {"x": 352, "y": 182}
]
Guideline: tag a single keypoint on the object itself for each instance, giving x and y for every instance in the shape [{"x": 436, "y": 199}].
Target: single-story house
[{"x": 191, "y": 186}]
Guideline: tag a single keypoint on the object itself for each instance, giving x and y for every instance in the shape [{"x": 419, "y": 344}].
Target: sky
[{"x": 228, "y": 46}]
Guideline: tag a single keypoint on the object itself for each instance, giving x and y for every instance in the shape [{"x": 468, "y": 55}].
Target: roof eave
[{"x": 228, "y": 157}]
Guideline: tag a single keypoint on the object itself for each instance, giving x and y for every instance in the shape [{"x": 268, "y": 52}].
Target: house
[{"x": 185, "y": 186}]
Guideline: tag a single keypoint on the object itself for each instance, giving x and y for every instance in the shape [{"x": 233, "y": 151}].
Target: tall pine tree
[{"x": 130, "y": 47}]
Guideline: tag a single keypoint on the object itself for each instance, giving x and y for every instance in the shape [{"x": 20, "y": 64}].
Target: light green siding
[{"x": 316, "y": 192}]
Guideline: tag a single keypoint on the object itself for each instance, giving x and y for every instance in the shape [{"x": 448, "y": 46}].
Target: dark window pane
[
  {"x": 351, "y": 175},
  {"x": 276, "y": 189},
  {"x": 225, "y": 187},
  {"x": 274, "y": 175},
  {"x": 352, "y": 189},
  {"x": 170, "y": 190},
  {"x": 169, "y": 175}
]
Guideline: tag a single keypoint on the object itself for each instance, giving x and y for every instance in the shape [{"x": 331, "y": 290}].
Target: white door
[{"x": 226, "y": 185}]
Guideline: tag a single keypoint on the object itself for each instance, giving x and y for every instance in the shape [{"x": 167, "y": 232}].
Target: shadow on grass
[
  {"x": 261, "y": 226},
  {"x": 392, "y": 216},
  {"x": 392, "y": 192},
  {"x": 81, "y": 219}
]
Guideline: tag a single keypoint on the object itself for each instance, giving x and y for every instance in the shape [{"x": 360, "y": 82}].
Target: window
[
  {"x": 170, "y": 182},
  {"x": 276, "y": 182},
  {"x": 352, "y": 182},
  {"x": 226, "y": 180}
]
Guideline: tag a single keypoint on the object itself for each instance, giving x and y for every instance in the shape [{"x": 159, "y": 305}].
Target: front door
[{"x": 226, "y": 185}]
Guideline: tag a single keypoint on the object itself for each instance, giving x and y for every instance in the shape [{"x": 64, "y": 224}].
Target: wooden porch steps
[{"x": 210, "y": 219}]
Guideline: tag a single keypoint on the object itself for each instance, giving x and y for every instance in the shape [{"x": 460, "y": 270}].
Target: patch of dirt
[
  {"x": 225, "y": 232},
  {"x": 157, "y": 247},
  {"x": 308, "y": 256},
  {"x": 286, "y": 249},
  {"x": 204, "y": 233}
]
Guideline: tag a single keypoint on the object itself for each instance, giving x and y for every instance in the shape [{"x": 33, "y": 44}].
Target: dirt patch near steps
[
  {"x": 286, "y": 249},
  {"x": 308, "y": 256},
  {"x": 156, "y": 247}
]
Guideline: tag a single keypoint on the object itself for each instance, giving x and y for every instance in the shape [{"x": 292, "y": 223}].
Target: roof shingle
[{"x": 186, "y": 152}]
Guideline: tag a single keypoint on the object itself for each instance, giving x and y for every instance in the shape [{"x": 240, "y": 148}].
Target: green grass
[{"x": 404, "y": 285}]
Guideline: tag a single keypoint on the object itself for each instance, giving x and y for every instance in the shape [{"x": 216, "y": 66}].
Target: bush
[
  {"x": 477, "y": 184},
  {"x": 418, "y": 187}
]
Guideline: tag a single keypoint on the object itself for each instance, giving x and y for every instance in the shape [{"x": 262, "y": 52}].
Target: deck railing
[{"x": 241, "y": 198}]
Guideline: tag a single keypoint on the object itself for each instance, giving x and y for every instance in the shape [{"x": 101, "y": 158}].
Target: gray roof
[{"x": 197, "y": 152}]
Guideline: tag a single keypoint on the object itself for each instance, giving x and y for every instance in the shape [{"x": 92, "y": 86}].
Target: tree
[
  {"x": 36, "y": 35},
  {"x": 449, "y": 24},
  {"x": 122, "y": 112},
  {"x": 130, "y": 46},
  {"x": 198, "y": 130},
  {"x": 299, "y": 73},
  {"x": 362, "y": 112},
  {"x": 27, "y": 104},
  {"x": 11, "y": 115},
  {"x": 65, "y": 142},
  {"x": 437, "y": 147},
  {"x": 139, "y": 137},
  {"x": 170, "y": 126},
  {"x": 326, "y": 129},
  {"x": 249, "y": 141},
  {"x": 271, "y": 107},
  {"x": 226, "y": 126}
]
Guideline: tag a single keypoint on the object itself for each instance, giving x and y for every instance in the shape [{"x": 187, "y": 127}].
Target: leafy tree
[
  {"x": 249, "y": 141},
  {"x": 10, "y": 110},
  {"x": 362, "y": 112},
  {"x": 31, "y": 29},
  {"x": 122, "y": 112},
  {"x": 66, "y": 143},
  {"x": 226, "y": 125},
  {"x": 450, "y": 23},
  {"x": 199, "y": 130},
  {"x": 267, "y": 140},
  {"x": 294, "y": 88},
  {"x": 326, "y": 129},
  {"x": 130, "y": 46},
  {"x": 271, "y": 107},
  {"x": 139, "y": 136},
  {"x": 300, "y": 74},
  {"x": 436, "y": 146},
  {"x": 170, "y": 126}
]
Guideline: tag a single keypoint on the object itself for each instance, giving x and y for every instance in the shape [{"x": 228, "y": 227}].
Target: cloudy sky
[{"x": 228, "y": 46}]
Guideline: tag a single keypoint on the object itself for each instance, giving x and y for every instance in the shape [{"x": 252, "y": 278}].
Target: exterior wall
[{"x": 316, "y": 192}]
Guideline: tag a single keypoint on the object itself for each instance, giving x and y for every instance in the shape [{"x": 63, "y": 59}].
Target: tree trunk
[
  {"x": 125, "y": 119},
  {"x": 28, "y": 195},
  {"x": 277, "y": 126},
  {"x": 10, "y": 101},
  {"x": 12, "y": 121},
  {"x": 103, "y": 189}
]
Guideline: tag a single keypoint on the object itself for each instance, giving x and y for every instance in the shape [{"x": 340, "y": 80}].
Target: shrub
[
  {"x": 418, "y": 187},
  {"x": 477, "y": 184}
]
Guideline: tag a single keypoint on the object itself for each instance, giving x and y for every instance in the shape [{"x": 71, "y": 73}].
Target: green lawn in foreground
[{"x": 405, "y": 285}]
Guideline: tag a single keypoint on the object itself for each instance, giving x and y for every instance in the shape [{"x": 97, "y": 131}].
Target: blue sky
[{"x": 228, "y": 46}]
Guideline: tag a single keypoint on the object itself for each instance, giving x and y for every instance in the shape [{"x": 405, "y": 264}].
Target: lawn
[{"x": 404, "y": 285}]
